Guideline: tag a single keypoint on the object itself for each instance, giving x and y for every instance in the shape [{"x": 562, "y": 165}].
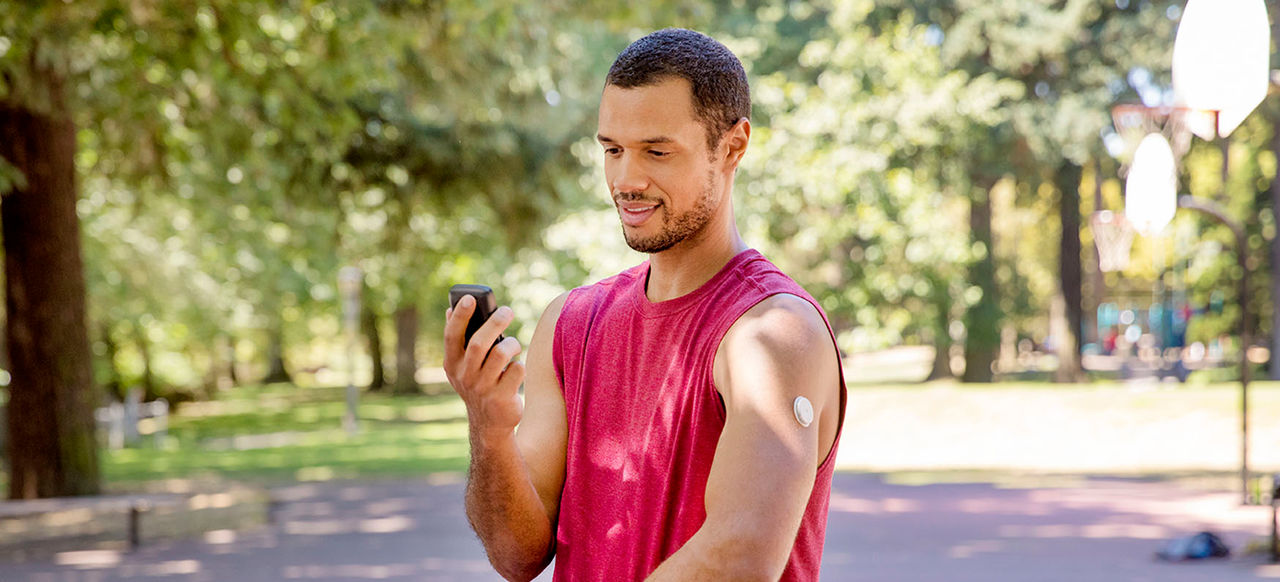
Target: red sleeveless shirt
[{"x": 644, "y": 418}]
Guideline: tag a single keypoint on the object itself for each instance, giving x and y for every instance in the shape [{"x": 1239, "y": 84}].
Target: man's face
[{"x": 662, "y": 179}]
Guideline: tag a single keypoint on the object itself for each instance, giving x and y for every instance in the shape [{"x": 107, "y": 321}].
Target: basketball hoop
[
  {"x": 1151, "y": 188},
  {"x": 1134, "y": 121},
  {"x": 1113, "y": 235}
]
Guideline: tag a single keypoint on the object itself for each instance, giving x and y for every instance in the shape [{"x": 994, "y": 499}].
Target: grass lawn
[
  {"x": 281, "y": 433},
  {"x": 285, "y": 433},
  {"x": 1165, "y": 430}
]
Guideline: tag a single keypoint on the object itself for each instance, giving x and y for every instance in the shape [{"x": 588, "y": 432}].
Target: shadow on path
[{"x": 1095, "y": 530}]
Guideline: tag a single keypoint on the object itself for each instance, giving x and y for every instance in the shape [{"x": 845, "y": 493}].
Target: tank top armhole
[
  {"x": 844, "y": 389},
  {"x": 739, "y": 310},
  {"x": 844, "y": 393},
  {"x": 558, "y": 337},
  {"x": 721, "y": 331}
]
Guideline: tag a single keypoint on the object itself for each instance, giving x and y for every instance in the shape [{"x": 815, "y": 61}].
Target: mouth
[{"x": 636, "y": 213}]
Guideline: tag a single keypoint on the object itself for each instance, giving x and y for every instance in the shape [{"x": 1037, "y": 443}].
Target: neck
[{"x": 683, "y": 268}]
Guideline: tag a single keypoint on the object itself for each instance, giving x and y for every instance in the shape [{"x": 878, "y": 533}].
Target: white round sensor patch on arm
[{"x": 804, "y": 411}]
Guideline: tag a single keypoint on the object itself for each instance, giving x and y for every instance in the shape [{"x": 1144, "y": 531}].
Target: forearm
[
  {"x": 709, "y": 557},
  {"x": 505, "y": 510}
]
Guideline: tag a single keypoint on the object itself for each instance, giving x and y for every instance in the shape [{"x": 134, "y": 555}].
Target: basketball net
[
  {"x": 1177, "y": 124},
  {"x": 1113, "y": 235},
  {"x": 1111, "y": 231}
]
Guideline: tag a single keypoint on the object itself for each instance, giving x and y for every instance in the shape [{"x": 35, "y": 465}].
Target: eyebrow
[{"x": 652, "y": 140}]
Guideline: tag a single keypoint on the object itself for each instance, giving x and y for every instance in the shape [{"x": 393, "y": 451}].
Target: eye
[
  {"x": 659, "y": 153},
  {"x": 612, "y": 150}
]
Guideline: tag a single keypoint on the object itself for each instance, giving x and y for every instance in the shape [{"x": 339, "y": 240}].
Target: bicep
[
  {"x": 766, "y": 461},
  {"x": 543, "y": 431}
]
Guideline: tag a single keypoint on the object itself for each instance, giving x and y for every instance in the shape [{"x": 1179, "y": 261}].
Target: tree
[
  {"x": 1069, "y": 60},
  {"x": 1070, "y": 274},
  {"x": 373, "y": 342},
  {"x": 52, "y": 448},
  {"x": 857, "y": 175},
  {"x": 54, "y": 57},
  {"x": 1274, "y": 244}
]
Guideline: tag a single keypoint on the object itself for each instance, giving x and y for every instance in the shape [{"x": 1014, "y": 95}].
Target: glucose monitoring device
[{"x": 803, "y": 410}]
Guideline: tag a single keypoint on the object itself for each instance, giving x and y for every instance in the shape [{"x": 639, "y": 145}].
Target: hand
[{"x": 486, "y": 379}]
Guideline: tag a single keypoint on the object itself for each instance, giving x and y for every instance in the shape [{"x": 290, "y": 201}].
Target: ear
[{"x": 735, "y": 142}]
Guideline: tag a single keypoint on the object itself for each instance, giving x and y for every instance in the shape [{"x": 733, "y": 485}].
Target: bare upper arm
[
  {"x": 779, "y": 350},
  {"x": 766, "y": 461},
  {"x": 543, "y": 431}
]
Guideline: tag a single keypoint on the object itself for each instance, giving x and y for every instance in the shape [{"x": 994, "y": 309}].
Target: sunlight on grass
[
  {"x": 1112, "y": 428},
  {"x": 279, "y": 433},
  {"x": 923, "y": 432}
]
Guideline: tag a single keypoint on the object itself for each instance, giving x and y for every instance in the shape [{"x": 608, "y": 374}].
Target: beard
[{"x": 675, "y": 229}]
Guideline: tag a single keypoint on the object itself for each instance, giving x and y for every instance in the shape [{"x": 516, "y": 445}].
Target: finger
[
  {"x": 511, "y": 379},
  {"x": 447, "y": 371},
  {"x": 455, "y": 328},
  {"x": 484, "y": 337},
  {"x": 500, "y": 358}
]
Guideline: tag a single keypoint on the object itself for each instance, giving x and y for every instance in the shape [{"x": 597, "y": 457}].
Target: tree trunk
[
  {"x": 1273, "y": 367},
  {"x": 4, "y": 346},
  {"x": 1099, "y": 281},
  {"x": 982, "y": 319},
  {"x": 232, "y": 375},
  {"x": 114, "y": 386},
  {"x": 1273, "y": 372},
  {"x": 52, "y": 446},
  {"x": 1070, "y": 275},
  {"x": 406, "y": 342},
  {"x": 369, "y": 324},
  {"x": 941, "y": 299},
  {"x": 276, "y": 371},
  {"x": 148, "y": 377},
  {"x": 222, "y": 357}
]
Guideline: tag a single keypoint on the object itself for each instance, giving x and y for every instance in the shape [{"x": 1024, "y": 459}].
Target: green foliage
[
  {"x": 233, "y": 156},
  {"x": 845, "y": 185},
  {"x": 886, "y": 118}
]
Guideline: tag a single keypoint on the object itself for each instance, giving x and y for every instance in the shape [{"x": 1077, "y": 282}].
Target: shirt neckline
[{"x": 648, "y": 308}]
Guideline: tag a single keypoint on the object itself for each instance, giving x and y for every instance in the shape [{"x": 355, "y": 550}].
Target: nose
[{"x": 628, "y": 174}]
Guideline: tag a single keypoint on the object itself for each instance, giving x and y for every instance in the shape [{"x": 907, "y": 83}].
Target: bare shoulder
[
  {"x": 540, "y": 347},
  {"x": 543, "y": 397},
  {"x": 783, "y": 334},
  {"x": 553, "y": 310},
  {"x": 782, "y": 323},
  {"x": 541, "y": 383},
  {"x": 551, "y": 315}
]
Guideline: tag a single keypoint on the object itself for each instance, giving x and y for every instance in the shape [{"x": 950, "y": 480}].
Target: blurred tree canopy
[{"x": 923, "y": 167}]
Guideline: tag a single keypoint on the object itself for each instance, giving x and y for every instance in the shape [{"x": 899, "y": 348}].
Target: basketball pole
[
  {"x": 1246, "y": 334},
  {"x": 1215, "y": 212},
  {"x": 1209, "y": 34}
]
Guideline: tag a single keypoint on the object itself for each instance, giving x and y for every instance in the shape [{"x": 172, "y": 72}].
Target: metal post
[
  {"x": 132, "y": 414},
  {"x": 115, "y": 426},
  {"x": 161, "y": 408},
  {"x": 1246, "y": 334},
  {"x": 1275, "y": 506},
  {"x": 1246, "y": 330},
  {"x": 349, "y": 283},
  {"x": 1246, "y": 338},
  {"x": 135, "y": 537}
]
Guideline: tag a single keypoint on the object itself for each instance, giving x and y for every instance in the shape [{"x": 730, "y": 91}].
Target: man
[{"x": 680, "y": 419}]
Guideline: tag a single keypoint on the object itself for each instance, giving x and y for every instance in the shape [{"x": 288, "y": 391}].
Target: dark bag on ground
[{"x": 1194, "y": 547}]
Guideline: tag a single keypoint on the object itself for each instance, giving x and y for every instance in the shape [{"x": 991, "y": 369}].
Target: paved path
[{"x": 1093, "y": 530}]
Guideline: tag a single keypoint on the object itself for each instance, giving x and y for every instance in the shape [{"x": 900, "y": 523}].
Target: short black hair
[{"x": 721, "y": 95}]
